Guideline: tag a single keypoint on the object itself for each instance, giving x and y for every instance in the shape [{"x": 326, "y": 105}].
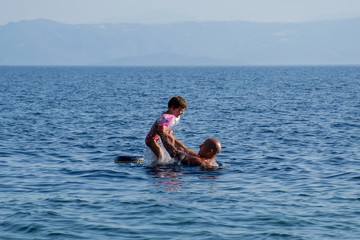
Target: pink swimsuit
[
  {"x": 168, "y": 121},
  {"x": 151, "y": 136}
]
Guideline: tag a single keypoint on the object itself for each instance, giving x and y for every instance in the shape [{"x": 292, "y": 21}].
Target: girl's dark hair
[{"x": 177, "y": 102}]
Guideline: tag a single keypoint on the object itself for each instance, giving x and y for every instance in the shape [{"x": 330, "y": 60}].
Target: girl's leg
[{"x": 154, "y": 146}]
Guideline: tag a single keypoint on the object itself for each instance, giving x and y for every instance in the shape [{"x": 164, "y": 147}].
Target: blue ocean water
[{"x": 290, "y": 153}]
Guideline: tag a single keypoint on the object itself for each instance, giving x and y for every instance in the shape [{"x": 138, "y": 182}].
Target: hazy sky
[{"x": 161, "y": 11}]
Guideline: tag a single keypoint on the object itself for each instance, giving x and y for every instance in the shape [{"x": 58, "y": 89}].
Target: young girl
[{"x": 164, "y": 124}]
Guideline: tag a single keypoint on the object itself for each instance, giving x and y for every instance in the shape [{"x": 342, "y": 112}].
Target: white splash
[{"x": 151, "y": 160}]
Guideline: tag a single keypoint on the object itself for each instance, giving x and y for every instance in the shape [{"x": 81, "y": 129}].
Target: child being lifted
[{"x": 164, "y": 124}]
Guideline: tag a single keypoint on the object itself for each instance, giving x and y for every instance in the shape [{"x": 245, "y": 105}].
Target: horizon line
[{"x": 184, "y": 21}]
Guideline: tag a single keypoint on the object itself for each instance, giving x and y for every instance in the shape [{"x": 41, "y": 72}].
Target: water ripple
[{"x": 289, "y": 161}]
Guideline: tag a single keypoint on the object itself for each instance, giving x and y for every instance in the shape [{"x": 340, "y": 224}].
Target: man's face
[{"x": 203, "y": 149}]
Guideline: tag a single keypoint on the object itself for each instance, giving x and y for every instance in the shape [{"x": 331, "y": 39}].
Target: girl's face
[{"x": 177, "y": 111}]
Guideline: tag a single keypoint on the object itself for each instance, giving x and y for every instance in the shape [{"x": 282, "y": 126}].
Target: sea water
[{"x": 290, "y": 160}]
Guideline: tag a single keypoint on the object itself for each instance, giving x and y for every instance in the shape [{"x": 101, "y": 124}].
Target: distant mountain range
[{"x": 44, "y": 42}]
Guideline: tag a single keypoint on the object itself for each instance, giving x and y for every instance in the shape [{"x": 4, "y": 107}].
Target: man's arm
[
  {"x": 174, "y": 148},
  {"x": 180, "y": 146},
  {"x": 192, "y": 160},
  {"x": 195, "y": 161},
  {"x": 170, "y": 148}
]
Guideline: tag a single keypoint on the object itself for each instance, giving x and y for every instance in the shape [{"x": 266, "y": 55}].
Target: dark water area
[{"x": 290, "y": 160}]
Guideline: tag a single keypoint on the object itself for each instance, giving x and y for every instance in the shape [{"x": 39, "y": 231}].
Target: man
[{"x": 204, "y": 158}]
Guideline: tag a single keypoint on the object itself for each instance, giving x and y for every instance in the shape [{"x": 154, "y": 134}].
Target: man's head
[{"x": 210, "y": 148}]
